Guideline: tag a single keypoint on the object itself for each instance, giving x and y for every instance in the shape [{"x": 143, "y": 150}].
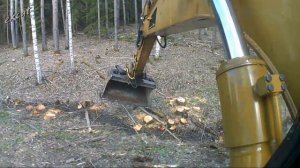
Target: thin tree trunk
[
  {"x": 24, "y": 34},
  {"x": 65, "y": 22},
  {"x": 106, "y": 16},
  {"x": 136, "y": 15},
  {"x": 35, "y": 47},
  {"x": 16, "y": 23},
  {"x": 99, "y": 26},
  {"x": 44, "y": 36},
  {"x": 12, "y": 24},
  {"x": 116, "y": 47},
  {"x": 70, "y": 35},
  {"x": 7, "y": 25},
  {"x": 55, "y": 26},
  {"x": 124, "y": 14}
]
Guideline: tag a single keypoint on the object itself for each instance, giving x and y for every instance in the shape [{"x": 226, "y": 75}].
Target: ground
[{"x": 185, "y": 69}]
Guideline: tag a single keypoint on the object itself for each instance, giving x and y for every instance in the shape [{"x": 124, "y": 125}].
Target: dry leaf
[
  {"x": 148, "y": 119},
  {"x": 40, "y": 107},
  {"x": 138, "y": 127},
  {"x": 183, "y": 121},
  {"x": 181, "y": 101},
  {"x": 161, "y": 128},
  {"x": 29, "y": 108},
  {"x": 172, "y": 102}
]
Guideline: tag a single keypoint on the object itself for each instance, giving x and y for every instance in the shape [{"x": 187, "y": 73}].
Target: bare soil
[{"x": 186, "y": 69}]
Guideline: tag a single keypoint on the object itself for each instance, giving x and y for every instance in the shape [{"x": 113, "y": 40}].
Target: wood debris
[
  {"x": 171, "y": 121},
  {"x": 29, "y": 108},
  {"x": 181, "y": 101},
  {"x": 51, "y": 114},
  {"x": 97, "y": 108},
  {"x": 173, "y": 128},
  {"x": 138, "y": 127},
  {"x": 40, "y": 107},
  {"x": 183, "y": 121},
  {"x": 196, "y": 108},
  {"x": 148, "y": 119}
]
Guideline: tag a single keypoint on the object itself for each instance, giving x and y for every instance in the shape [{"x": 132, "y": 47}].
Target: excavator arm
[{"x": 249, "y": 86}]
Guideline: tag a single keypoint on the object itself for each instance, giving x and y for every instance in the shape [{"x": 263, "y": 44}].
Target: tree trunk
[
  {"x": 65, "y": 22},
  {"x": 69, "y": 18},
  {"x": 24, "y": 33},
  {"x": 16, "y": 23},
  {"x": 44, "y": 36},
  {"x": 136, "y": 15},
  {"x": 7, "y": 25},
  {"x": 116, "y": 47},
  {"x": 106, "y": 16},
  {"x": 12, "y": 24},
  {"x": 124, "y": 14},
  {"x": 99, "y": 26},
  {"x": 35, "y": 47},
  {"x": 55, "y": 26}
]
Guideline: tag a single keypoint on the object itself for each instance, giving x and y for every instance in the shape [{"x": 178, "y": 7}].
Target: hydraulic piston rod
[{"x": 232, "y": 36}]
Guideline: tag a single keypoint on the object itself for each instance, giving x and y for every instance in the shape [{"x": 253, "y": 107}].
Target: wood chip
[
  {"x": 97, "y": 108},
  {"x": 40, "y": 107},
  {"x": 173, "y": 128},
  {"x": 79, "y": 106},
  {"x": 29, "y": 108},
  {"x": 183, "y": 121},
  {"x": 180, "y": 109},
  {"x": 140, "y": 116},
  {"x": 54, "y": 111},
  {"x": 35, "y": 113},
  {"x": 196, "y": 108},
  {"x": 49, "y": 116},
  {"x": 181, "y": 101},
  {"x": 171, "y": 121},
  {"x": 148, "y": 119},
  {"x": 138, "y": 127}
]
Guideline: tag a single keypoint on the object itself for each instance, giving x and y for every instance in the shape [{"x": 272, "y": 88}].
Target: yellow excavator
[{"x": 250, "y": 86}]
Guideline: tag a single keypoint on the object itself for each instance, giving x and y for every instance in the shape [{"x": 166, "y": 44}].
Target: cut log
[
  {"x": 49, "y": 116},
  {"x": 181, "y": 101},
  {"x": 183, "y": 121},
  {"x": 40, "y": 107},
  {"x": 138, "y": 127},
  {"x": 172, "y": 128},
  {"x": 148, "y": 119},
  {"x": 171, "y": 121}
]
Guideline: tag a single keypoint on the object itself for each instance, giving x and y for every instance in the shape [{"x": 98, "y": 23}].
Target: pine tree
[
  {"x": 44, "y": 36},
  {"x": 55, "y": 26},
  {"x": 24, "y": 33}
]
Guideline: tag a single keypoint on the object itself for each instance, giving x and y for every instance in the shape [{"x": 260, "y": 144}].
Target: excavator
[{"x": 250, "y": 86}]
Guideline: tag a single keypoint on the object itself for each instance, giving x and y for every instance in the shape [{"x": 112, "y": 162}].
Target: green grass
[{"x": 4, "y": 118}]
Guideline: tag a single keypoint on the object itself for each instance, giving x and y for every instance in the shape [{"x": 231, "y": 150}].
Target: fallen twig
[
  {"x": 91, "y": 139},
  {"x": 144, "y": 110},
  {"x": 88, "y": 121}
]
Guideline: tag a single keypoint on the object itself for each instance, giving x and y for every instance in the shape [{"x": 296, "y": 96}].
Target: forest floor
[{"x": 185, "y": 69}]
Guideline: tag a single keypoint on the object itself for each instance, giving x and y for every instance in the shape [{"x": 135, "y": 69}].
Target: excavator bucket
[{"x": 120, "y": 88}]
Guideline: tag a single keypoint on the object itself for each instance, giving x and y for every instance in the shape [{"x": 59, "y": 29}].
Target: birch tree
[
  {"x": 16, "y": 23},
  {"x": 34, "y": 40},
  {"x": 70, "y": 35},
  {"x": 44, "y": 37},
  {"x": 106, "y": 15},
  {"x": 12, "y": 24},
  {"x": 116, "y": 47},
  {"x": 124, "y": 14},
  {"x": 65, "y": 22},
  {"x": 99, "y": 26},
  {"x": 7, "y": 25},
  {"x": 24, "y": 33},
  {"x": 136, "y": 15},
  {"x": 55, "y": 26}
]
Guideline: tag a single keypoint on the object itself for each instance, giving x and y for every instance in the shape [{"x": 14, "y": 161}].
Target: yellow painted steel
[{"x": 252, "y": 122}]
